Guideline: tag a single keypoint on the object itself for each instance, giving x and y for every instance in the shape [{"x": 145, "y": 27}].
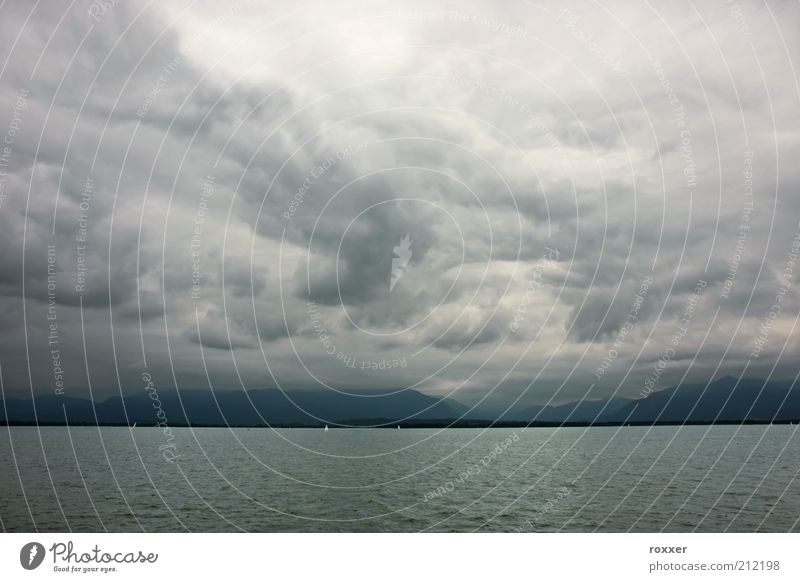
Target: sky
[{"x": 492, "y": 202}]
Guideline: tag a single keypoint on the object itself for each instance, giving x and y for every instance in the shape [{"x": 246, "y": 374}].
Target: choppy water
[{"x": 540, "y": 479}]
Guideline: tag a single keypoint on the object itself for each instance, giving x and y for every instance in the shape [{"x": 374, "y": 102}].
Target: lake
[{"x": 675, "y": 479}]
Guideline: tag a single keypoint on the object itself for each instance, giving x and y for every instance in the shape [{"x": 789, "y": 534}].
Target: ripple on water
[{"x": 377, "y": 480}]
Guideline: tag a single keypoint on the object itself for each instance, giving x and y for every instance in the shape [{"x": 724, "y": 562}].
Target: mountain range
[
  {"x": 725, "y": 400},
  {"x": 236, "y": 408}
]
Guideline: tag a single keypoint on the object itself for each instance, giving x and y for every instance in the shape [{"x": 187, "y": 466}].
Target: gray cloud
[{"x": 238, "y": 173}]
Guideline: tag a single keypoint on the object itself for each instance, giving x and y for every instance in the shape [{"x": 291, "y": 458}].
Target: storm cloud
[{"x": 256, "y": 195}]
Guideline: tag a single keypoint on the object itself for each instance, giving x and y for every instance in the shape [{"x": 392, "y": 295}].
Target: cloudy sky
[{"x": 487, "y": 201}]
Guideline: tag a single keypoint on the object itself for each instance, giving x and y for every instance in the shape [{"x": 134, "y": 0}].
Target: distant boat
[
  {"x": 398, "y": 427},
  {"x": 326, "y": 427}
]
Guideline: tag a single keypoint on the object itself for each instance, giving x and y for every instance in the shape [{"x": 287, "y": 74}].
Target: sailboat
[
  {"x": 326, "y": 427},
  {"x": 398, "y": 427}
]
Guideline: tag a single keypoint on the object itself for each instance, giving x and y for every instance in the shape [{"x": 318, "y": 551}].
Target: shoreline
[{"x": 387, "y": 424}]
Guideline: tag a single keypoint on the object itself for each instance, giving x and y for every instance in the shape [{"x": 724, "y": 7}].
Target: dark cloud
[{"x": 239, "y": 174}]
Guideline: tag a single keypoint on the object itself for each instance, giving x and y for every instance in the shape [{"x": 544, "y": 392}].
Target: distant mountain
[
  {"x": 728, "y": 399},
  {"x": 578, "y": 411},
  {"x": 724, "y": 400},
  {"x": 255, "y": 407}
]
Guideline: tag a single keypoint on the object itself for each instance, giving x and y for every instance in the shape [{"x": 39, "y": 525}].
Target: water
[{"x": 697, "y": 478}]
